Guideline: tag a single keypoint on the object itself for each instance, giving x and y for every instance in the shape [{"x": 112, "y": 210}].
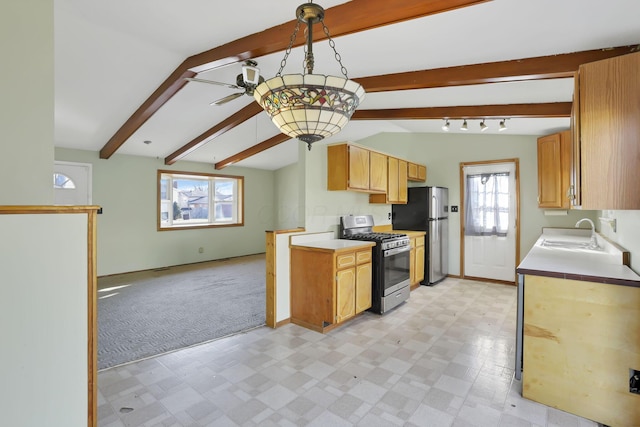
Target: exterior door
[
  {"x": 489, "y": 220},
  {"x": 72, "y": 183}
]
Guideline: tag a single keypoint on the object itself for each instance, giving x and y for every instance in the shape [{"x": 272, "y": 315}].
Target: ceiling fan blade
[
  {"x": 227, "y": 98},
  {"x": 193, "y": 79}
]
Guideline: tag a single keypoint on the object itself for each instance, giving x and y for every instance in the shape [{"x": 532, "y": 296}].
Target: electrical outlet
[
  {"x": 454, "y": 209},
  {"x": 389, "y": 217},
  {"x": 634, "y": 381},
  {"x": 200, "y": 250}
]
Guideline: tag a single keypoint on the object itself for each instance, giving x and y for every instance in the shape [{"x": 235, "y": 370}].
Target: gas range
[
  {"x": 391, "y": 261},
  {"x": 386, "y": 240}
]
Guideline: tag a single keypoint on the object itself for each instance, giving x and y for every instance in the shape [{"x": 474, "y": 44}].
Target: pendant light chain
[
  {"x": 343, "y": 69},
  {"x": 309, "y": 106},
  {"x": 288, "y": 51}
]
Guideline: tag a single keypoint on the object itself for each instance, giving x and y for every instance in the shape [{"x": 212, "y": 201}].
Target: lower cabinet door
[
  {"x": 419, "y": 264},
  {"x": 363, "y": 287},
  {"x": 345, "y": 294}
]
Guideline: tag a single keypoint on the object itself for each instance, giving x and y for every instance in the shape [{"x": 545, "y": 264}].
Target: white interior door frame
[{"x": 462, "y": 210}]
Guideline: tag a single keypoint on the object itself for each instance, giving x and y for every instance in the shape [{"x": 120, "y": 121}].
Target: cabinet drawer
[
  {"x": 346, "y": 260},
  {"x": 364, "y": 256},
  {"x": 419, "y": 241}
]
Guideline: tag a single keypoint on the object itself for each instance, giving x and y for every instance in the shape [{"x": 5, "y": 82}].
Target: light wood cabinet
[
  {"x": 609, "y": 133},
  {"x": 329, "y": 287},
  {"x": 377, "y": 171},
  {"x": 416, "y": 172},
  {"x": 554, "y": 171},
  {"x": 416, "y": 261},
  {"x": 419, "y": 271},
  {"x": 396, "y": 183},
  {"x": 351, "y": 167},
  {"x": 575, "y": 188}
]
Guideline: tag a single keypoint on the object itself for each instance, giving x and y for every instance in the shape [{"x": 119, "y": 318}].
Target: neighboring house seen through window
[{"x": 188, "y": 200}]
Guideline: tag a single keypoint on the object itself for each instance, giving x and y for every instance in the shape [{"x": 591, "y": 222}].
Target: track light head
[
  {"x": 445, "y": 127},
  {"x": 464, "y": 126},
  {"x": 483, "y": 127},
  {"x": 502, "y": 125}
]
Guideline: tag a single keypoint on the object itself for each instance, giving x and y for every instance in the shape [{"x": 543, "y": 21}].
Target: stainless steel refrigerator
[{"x": 427, "y": 209}]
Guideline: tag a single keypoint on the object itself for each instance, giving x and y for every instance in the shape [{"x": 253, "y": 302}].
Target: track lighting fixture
[{"x": 465, "y": 127}]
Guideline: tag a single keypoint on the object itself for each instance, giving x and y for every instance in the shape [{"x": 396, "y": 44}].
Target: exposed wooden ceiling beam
[
  {"x": 350, "y": 17},
  {"x": 498, "y": 111},
  {"x": 543, "y": 67},
  {"x": 226, "y": 125},
  {"x": 252, "y": 151},
  {"x": 167, "y": 89},
  {"x": 537, "y": 68}
]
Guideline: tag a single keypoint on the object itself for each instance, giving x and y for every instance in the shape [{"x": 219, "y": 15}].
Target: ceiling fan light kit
[
  {"x": 309, "y": 106},
  {"x": 245, "y": 81}
]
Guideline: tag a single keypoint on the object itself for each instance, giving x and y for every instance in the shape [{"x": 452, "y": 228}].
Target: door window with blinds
[
  {"x": 487, "y": 204},
  {"x": 190, "y": 200}
]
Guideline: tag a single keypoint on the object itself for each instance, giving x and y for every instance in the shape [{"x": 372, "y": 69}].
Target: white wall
[
  {"x": 442, "y": 153},
  {"x": 126, "y": 188},
  {"x": 287, "y": 188},
  {"x": 627, "y": 233},
  {"x": 43, "y": 313},
  {"x": 27, "y": 102}
]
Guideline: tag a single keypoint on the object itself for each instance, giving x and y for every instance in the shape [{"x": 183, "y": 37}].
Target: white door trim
[{"x": 516, "y": 161}]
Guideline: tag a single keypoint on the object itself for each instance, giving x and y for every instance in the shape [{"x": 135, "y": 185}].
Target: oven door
[{"x": 395, "y": 269}]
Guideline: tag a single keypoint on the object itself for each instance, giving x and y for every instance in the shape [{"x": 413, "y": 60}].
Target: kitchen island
[{"x": 579, "y": 327}]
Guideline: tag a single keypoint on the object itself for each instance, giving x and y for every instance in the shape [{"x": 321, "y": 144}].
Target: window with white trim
[
  {"x": 63, "y": 182},
  {"x": 196, "y": 200}
]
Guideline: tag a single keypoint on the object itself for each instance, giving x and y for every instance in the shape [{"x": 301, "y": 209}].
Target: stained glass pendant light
[{"x": 309, "y": 106}]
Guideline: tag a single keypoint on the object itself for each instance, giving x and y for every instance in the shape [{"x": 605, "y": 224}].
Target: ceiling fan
[{"x": 246, "y": 81}]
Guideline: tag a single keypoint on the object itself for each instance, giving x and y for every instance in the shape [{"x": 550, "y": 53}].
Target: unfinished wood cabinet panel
[
  {"x": 416, "y": 172},
  {"x": 610, "y": 133},
  {"x": 554, "y": 171},
  {"x": 329, "y": 287},
  {"x": 580, "y": 340}
]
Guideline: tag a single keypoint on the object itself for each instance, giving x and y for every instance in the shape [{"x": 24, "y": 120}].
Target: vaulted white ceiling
[{"x": 110, "y": 56}]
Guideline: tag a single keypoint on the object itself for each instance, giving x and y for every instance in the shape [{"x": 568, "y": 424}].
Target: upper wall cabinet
[
  {"x": 416, "y": 172},
  {"x": 396, "y": 183},
  {"x": 351, "y": 167},
  {"x": 609, "y": 133},
  {"x": 554, "y": 171}
]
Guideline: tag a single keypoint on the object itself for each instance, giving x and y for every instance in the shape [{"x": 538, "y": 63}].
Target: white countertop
[
  {"x": 335, "y": 244},
  {"x": 603, "y": 265}
]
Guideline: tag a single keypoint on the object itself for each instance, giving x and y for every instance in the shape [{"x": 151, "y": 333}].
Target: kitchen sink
[{"x": 569, "y": 244}]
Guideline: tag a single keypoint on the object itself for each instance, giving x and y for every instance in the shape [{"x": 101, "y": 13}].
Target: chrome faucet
[{"x": 594, "y": 241}]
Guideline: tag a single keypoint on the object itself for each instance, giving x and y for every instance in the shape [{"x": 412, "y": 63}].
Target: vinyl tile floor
[{"x": 443, "y": 358}]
